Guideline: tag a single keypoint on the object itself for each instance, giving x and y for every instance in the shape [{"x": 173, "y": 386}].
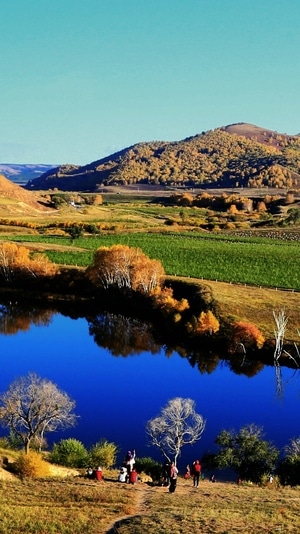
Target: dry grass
[
  {"x": 68, "y": 503},
  {"x": 256, "y": 305},
  {"x": 76, "y": 505},
  {"x": 215, "y": 508}
]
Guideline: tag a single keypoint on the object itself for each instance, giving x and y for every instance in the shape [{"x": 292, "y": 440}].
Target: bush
[
  {"x": 4, "y": 443},
  {"x": 289, "y": 471},
  {"x": 31, "y": 465},
  {"x": 103, "y": 453},
  {"x": 70, "y": 453},
  {"x": 149, "y": 466}
]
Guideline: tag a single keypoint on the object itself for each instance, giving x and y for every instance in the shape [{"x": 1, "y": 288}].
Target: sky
[{"x": 81, "y": 79}]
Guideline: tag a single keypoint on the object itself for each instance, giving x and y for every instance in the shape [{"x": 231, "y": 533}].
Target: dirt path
[
  {"x": 141, "y": 507},
  {"x": 142, "y": 495}
]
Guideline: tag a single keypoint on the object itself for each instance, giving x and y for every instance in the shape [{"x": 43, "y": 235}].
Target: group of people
[
  {"x": 96, "y": 474},
  {"x": 128, "y": 472},
  {"x": 194, "y": 473},
  {"x": 170, "y": 474}
]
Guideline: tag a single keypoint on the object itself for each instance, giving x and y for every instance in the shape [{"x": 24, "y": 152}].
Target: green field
[{"x": 256, "y": 261}]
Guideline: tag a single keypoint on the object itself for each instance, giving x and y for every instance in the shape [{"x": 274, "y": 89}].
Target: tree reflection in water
[
  {"x": 14, "y": 318},
  {"x": 128, "y": 336},
  {"x": 123, "y": 336}
]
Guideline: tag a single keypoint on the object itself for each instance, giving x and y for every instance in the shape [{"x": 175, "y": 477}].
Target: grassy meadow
[{"x": 256, "y": 261}]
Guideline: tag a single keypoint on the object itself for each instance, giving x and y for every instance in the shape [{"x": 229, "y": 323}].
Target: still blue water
[{"x": 115, "y": 395}]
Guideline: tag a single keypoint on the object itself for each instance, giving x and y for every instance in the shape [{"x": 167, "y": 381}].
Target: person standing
[
  {"x": 166, "y": 473},
  {"x": 196, "y": 473},
  {"x": 187, "y": 473},
  {"x": 130, "y": 461},
  {"x": 173, "y": 477}
]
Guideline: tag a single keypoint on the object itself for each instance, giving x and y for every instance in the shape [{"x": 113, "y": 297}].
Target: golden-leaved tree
[
  {"x": 163, "y": 298},
  {"x": 206, "y": 323},
  {"x": 16, "y": 260},
  {"x": 125, "y": 267},
  {"x": 246, "y": 335}
]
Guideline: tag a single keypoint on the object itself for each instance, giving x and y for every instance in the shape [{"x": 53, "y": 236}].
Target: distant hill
[
  {"x": 15, "y": 200},
  {"x": 21, "y": 174},
  {"x": 239, "y": 155}
]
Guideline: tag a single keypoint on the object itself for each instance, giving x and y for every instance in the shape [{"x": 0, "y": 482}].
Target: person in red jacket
[
  {"x": 98, "y": 473},
  {"x": 196, "y": 473},
  {"x": 133, "y": 476}
]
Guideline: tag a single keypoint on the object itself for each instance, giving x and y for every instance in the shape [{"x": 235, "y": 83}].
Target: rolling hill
[
  {"x": 15, "y": 200},
  {"x": 237, "y": 155}
]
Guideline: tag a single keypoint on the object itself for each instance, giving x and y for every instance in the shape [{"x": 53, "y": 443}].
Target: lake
[{"x": 117, "y": 394}]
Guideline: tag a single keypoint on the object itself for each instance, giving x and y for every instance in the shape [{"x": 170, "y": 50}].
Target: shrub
[
  {"x": 70, "y": 453},
  {"x": 103, "y": 453},
  {"x": 246, "y": 334},
  {"x": 4, "y": 443},
  {"x": 206, "y": 323},
  {"x": 149, "y": 466},
  {"x": 31, "y": 465}
]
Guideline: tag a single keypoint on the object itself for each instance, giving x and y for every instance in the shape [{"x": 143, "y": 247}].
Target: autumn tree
[
  {"x": 33, "y": 406},
  {"x": 177, "y": 425},
  {"x": 246, "y": 335},
  {"x": 125, "y": 267},
  {"x": 206, "y": 323},
  {"x": 16, "y": 260},
  {"x": 170, "y": 306}
]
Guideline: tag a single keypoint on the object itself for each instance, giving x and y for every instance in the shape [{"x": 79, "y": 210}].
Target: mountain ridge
[{"x": 239, "y": 154}]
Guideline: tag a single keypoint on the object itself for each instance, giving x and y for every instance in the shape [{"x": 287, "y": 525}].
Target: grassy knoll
[{"x": 75, "y": 505}]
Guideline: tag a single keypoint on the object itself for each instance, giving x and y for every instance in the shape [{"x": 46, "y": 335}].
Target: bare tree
[
  {"x": 293, "y": 448},
  {"x": 33, "y": 406},
  {"x": 281, "y": 321},
  {"x": 176, "y": 426}
]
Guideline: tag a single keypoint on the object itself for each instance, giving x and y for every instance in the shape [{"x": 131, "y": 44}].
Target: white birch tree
[
  {"x": 33, "y": 406},
  {"x": 177, "y": 425}
]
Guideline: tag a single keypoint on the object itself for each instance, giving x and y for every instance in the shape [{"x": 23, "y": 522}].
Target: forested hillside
[{"x": 239, "y": 155}]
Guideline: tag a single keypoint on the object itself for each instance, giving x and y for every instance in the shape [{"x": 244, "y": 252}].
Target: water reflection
[
  {"x": 14, "y": 318},
  {"x": 123, "y": 336},
  {"x": 87, "y": 355},
  {"x": 128, "y": 336}
]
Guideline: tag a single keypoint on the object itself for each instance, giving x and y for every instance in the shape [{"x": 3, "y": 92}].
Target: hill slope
[
  {"x": 240, "y": 155},
  {"x": 16, "y": 200}
]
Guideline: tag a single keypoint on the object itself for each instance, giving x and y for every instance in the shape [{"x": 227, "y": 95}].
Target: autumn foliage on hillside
[{"x": 214, "y": 158}]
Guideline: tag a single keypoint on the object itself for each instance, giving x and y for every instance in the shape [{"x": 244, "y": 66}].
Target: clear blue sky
[{"x": 81, "y": 79}]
